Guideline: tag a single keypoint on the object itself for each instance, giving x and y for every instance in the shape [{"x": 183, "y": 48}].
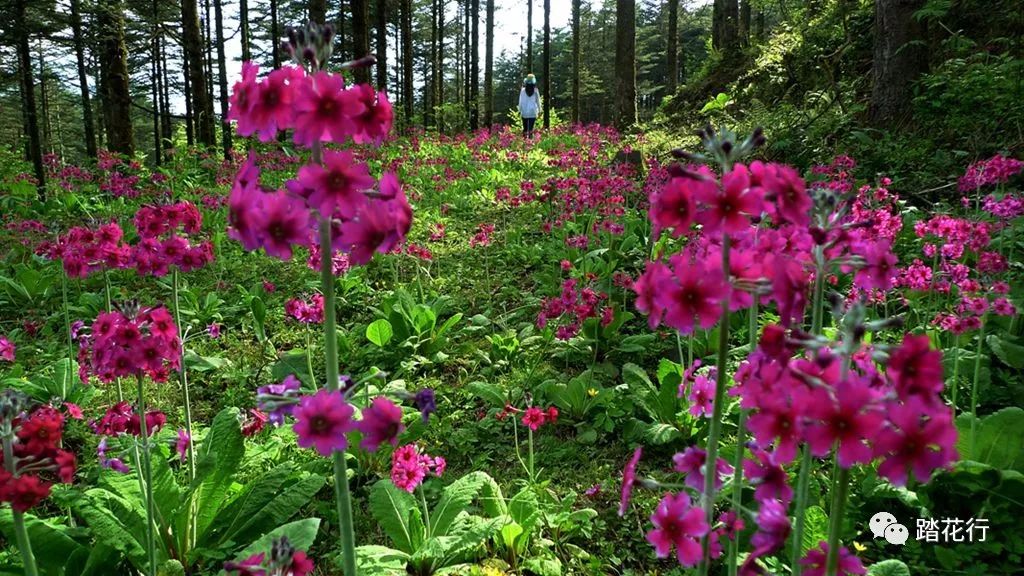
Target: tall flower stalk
[
  {"x": 146, "y": 478},
  {"x": 28, "y": 559}
]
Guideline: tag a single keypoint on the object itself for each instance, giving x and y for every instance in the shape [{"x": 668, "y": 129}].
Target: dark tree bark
[
  {"x": 431, "y": 102},
  {"x": 474, "y": 67},
  {"x": 275, "y": 33},
  {"x": 717, "y": 24},
  {"x": 546, "y": 83},
  {"x": 759, "y": 30},
  {"x": 83, "y": 79},
  {"x": 202, "y": 107},
  {"x": 407, "y": 60},
  {"x": 114, "y": 64},
  {"x": 35, "y": 150},
  {"x": 732, "y": 25},
  {"x": 190, "y": 121},
  {"x": 576, "y": 61},
  {"x": 489, "y": 66},
  {"x": 154, "y": 81},
  {"x": 440, "y": 61},
  {"x": 463, "y": 49},
  {"x": 744, "y": 24},
  {"x": 529, "y": 36},
  {"x": 382, "y": 44},
  {"x": 243, "y": 19},
  {"x": 361, "y": 37},
  {"x": 222, "y": 77},
  {"x": 165, "y": 95},
  {"x": 317, "y": 11},
  {"x": 673, "y": 47},
  {"x": 44, "y": 103},
  {"x": 342, "y": 50},
  {"x": 625, "y": 63},
  {"x": 897, "y": 62}
]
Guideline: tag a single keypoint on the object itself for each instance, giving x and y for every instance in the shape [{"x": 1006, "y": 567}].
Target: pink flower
[
  {"x": 322, "y": 420},
  {"x": 691, "y": 463},
  {"x": 381, "y": 423},
  {"x": 814, "y": 562},
  {"x": 918, "y": 438},
  {"x": 702, "y": 397},
  {"x": 694, "y": 298},
  {"x": 729, "y": 209},
  {"x": 243, "y": 96},
  {"x": 768, "y": 476},
  {"x": 375, "y": 122},
  {"x": 273, "y": 109},
  {"x": 408, "y": 467},
  {"x": 879, "y": 269},
  {"x": 846, "y": 416},
  {"x": 213, "y": 330},
  {"x": 6, "y": 349},
  {"x": 281, "y": 221},
  {"x": 379, "y": 224},
  {"x": 916, "y": 370},
  {"x": 675, "y": 205},
  {"x": 647, "y": 287},
  {"x": 534, "y": 418},
  {"x": 182, "y": 443},
  {"x": 628, "y": 479},
  {"x": 337, "y": 185},
  {"x": 679, "y": 524},
  {"x": 324, "y": 110}
]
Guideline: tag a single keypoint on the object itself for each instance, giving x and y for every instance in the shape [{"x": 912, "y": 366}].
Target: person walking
[{"x": 529, "y": 104}]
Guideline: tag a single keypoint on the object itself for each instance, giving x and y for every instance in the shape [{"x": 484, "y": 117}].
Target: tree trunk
[
  {"x": 83, "y": 79},
  {"x": 440, "y": 61},
  {"x": 896, "y": 63},
  {"x": 342, "y": 51},
  {"x": 489, "y": 66},
  {"x": 275, "y": 34},
  {"x": 463, "y": 50},
  {"x": 382, "y": 45},
  {"x": 431, "y": 102},
  {"x": 759, "y": 32},
  {"x": 207, "y": 23},
  {"x": 474, "y": 67},
  {"x": 360, "y": 38},
  {"x": 546, "y": 65},
  {"x": 717, "y": 24},
  {"x": 529, "y": 36},
  {"x": 222, "y": 76},
  {"x": 202, "y": 108},
  {"x": 407, "y": 60},
  {"x": 44, "y": 102},
  {"x": 243, "y": 18},
  {"x": 317, "y": 11},
  {"x": 167, "y": 131},
  {"x": 154, "y": 81},
  {"x": 744, "y": 25},
  {"x": 114, "y": 64},
  {"x": 730, "y": 39},
  {"x": 625, "y": 63},
  {"x": 673, "y": 47},
  {"x": 576, "y": 61},
  {"x": 190, "y": 122},
  {"x": 35, "y": 151}
]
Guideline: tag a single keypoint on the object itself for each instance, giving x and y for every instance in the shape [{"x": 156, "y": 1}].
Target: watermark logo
[
  {"x": 931, "y": 530},
  {"x": 885, "y": 525}
]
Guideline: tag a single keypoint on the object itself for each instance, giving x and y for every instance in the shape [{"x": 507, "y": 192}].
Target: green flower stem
[
  {"x": 28, "y": 559},
  {"x": 737, "y": 465},
  {"x": 840, "y": 489},
  {"x": 533, "y": 477},
  {"x": 974, "y": 388},
  {"x": 183, "y": 376},
  {"x": 147, "y": 474},
  {"x": 956, "y": 371},
  {"x": 710, "y": 463},
  {"x": 309, "y": 356},
  {"x": 804, "y": 476},
  {"x": 66, "y": 382},
  {"x": 426, "y": 508},
  {"x": 341, "y": 488}
]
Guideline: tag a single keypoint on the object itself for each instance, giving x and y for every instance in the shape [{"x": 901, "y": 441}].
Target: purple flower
[
  {"x": 425, "y": 403},
  {"x": 182, "y": 443},
  {"x": 213, "y": 330},
  {"x": 278, "y": 400}
]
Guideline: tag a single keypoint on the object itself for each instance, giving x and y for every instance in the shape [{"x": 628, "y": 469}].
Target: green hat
[{"x": 530, "y": 79}]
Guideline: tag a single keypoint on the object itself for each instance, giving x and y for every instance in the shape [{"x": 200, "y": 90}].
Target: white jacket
[{"x": 529, "y": 106}]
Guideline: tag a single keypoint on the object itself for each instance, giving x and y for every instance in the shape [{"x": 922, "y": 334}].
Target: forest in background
[{"x": 926, "y": 84}]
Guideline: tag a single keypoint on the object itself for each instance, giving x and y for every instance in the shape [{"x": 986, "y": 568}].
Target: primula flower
[
  {"x": 916, "y": 370},
  {"x": 679, "y": 524},
  {"x": 768, "y": 476},
  {"x": 6, "y": 349},
  {"x": 702, "y": 396},
  {"x": 381, "y": 423},
  {"x": 815, "y": 559},
  {"x": 691, "y": 463},
  {"x": 426, "y": 403},
  {"x": 243, "y": 96},
  {"x": 337, "y": 185},
  {"x": 918, "y": 438},
  {"x": 845, "y": 417},
  {"x": 628, "y": 479},
  {"x": 729, "y": 209},
  {"x": 324, "y": 110},
  {"x": 282, "y": 221},
  {"x": 694, "y": 298},
  {"x": 273, "y": 109},
  {"x": 879, "y": 269},
  {"x": 375, "y": 122},
  {"x": 182, "y": 443},
  {"x": 322, "y": 421},
  {"x": 534, "y": 418},
  {"x": 675, "y": 206}
]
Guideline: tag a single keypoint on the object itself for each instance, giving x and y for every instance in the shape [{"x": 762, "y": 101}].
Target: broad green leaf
[
  {"x": 259, "y": 316},
  {"x": 891, "y": 567},
  {"x": 636, "y": 377},
  {"x": 1008, "y": 352},
  {"x": 51, "y": 542},
  {"x": 491, "y": 499},
  {"x": 225, "y": 443},
  {"x": 489, "y": 392},
  {"x": 381, "y": 561},
  {"x": 455, "y": 498},
  {"x": 997, "y": 440},
  {"x": 544, "y": 565},
  {"x": 392, "y": 508},
  {"x": 114, "y": 522},
  {"x": 300, "y": 533},
  {"x": 379, "y": 332}
]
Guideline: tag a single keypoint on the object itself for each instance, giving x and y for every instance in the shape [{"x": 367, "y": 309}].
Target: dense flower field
[{"x": 474, "y": 354}]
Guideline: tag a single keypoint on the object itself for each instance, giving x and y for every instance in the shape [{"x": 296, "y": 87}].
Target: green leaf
[
  {"x": 225, "y": 443},
  {"x": 381, "y": 561},
  {"x": 52, "y": 543},
  {"x": 890, "y": 567},
  {"x": 997, "y": 440},
  {"x": 199, "y": 363},
  {"x": 524, "y": 508},
  {"x": 491, "y": 499},
  {"x": 661, "y": 433},
  {"x": 1009, "y": 353},
  {"x": 114, "y": 522},
  {"x": 292, "y": 362},
  {"x": 301, "y": 534},
  {"x": 489, "y": 392},
  {"x": 259, "y": 316},
  {"x": 392, "y": 508},
  {"x": 455, "y": 498},
  {"x": 544, "y": 565},
  {"x": 636, "y": 377},
  {"x": 379, "y": 332},
  {"x": 815, "y": 527}
]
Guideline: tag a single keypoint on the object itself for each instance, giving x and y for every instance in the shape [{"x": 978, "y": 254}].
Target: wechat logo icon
[{"x": 885, "y": 525}]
